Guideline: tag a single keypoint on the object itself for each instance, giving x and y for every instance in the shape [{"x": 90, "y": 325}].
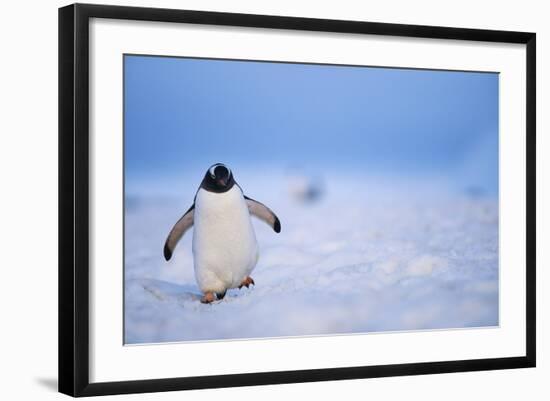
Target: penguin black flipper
[
  {"x": 183, "y": 224},
  {"x": 264, "y": 213}
]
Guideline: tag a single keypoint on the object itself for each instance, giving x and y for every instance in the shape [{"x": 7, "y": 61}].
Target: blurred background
[
  {"x": 385, "y": 182},
  {"x": 182, "y": 115}
]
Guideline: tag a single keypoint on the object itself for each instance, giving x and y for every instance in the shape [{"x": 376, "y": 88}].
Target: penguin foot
[
  {"x": 246, "y": 282},
  {"x": 207, "y": 298}
]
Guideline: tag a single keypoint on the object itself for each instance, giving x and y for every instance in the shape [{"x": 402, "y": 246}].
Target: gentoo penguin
[{"x": 225, "y": 250}]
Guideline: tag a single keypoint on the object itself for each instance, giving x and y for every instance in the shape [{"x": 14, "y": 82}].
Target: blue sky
[{"x": 182, "y": 113}]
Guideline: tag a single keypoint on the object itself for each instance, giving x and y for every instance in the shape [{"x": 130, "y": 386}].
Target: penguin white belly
[{"x": 225, "y": 249}]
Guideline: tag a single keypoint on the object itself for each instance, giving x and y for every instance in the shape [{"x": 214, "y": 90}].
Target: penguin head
[{"x": 218, "y": 178}]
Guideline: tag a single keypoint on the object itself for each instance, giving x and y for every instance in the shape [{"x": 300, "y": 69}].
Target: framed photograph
[{"x": 251, "y": 199}]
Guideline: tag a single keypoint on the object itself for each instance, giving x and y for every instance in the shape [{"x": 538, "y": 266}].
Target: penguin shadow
[
  {"x": 182, "y": 294},
  {"x": 167, "y": 291}
]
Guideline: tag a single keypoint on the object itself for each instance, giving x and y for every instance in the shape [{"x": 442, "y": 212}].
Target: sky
[{"x": 184, "y": 114}]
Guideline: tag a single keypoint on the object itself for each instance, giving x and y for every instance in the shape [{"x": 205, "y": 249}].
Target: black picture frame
[{"x": 74, "y": 198}]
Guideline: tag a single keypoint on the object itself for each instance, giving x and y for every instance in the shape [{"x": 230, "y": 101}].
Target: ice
[{"x": 376, "y": 254}]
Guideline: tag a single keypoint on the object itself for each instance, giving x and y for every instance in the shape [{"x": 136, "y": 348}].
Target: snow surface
[{"x": 368, "y": 256}]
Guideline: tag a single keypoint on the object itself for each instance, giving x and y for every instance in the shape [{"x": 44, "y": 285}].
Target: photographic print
[{"x": 274, "y": 199}]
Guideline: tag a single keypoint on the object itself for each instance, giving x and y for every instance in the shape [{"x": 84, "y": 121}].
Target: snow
[{"x": 370, "y": 255}]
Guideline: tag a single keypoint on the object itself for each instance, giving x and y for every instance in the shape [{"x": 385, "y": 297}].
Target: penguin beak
[{"x": 222, "y": 182}]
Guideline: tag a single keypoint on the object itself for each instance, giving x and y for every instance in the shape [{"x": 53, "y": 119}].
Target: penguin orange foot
[
  {"x": 246, "y": 282},
  {"x": 208, "y": 298}
]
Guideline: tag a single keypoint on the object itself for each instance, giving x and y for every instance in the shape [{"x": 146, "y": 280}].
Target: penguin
[{"x": 225, "y": 249}]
